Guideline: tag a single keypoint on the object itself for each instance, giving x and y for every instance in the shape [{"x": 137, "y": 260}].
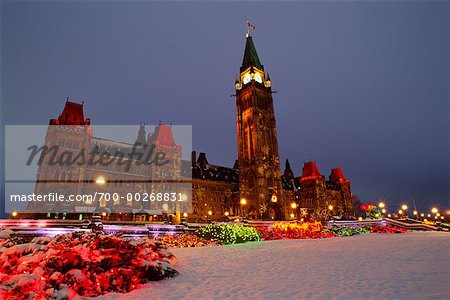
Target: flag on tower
[{"x": 251, "y": 26}]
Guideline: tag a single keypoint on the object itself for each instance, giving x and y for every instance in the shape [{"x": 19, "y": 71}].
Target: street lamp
[
  {"x": 404, "y": 207},
  {"x": 100, "y": 180},
  {"x": 383, "y": 210},
  {"x": 400, "y": 212},
  {"x": 209, "y": 213},
  {"x": 434, "y": 210},
  {"x": 293, "y": 205},
  {"x": 381, "y": 205},
  {"x": 330, "y": 207},
  {"x": 243, "y": 201},
  {"x": 292, "y": 216},
  {"x": 227, "y": 214}
]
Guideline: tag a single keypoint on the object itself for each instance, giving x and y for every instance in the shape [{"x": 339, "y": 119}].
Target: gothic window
[
  {"x": 271, "y": 181},
  {"x": 251, "y": 180}
]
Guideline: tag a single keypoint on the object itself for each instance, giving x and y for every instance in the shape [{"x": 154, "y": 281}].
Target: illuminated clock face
[
  {"x": 258, "y": 78},
  {"x": 247, "y": 78}
]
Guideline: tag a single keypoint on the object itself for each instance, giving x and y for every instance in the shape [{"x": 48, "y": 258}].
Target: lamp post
[{"x": 243, "y": 203}]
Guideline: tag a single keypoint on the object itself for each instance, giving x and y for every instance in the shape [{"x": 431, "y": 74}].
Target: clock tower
[{"x": 259, "y": 162}]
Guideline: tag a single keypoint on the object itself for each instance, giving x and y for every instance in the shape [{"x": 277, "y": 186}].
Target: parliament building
[{"x": 254, "y": 188}]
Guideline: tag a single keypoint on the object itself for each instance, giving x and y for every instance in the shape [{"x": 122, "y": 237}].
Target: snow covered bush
[
  {"x": 228, "y": 233},
  {"x": 349, "y": 230},
  {"x": 304, "y": 230},
  {"x": 387, "y": 229},
  {"x": 79, "y": 263},
  {"x": 184, "y": 240}
]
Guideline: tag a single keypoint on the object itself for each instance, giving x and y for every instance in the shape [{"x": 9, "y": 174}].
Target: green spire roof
[{"x": 251, "y": 58}]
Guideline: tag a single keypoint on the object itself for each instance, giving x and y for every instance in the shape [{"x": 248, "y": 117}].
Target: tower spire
[{"x": 251, "y": 58}]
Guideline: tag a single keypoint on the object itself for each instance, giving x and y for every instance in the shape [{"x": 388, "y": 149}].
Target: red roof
[
  {"x": 338, "y": 176},
  {"x": 72, "y": 114},
  {"x": 163, "y": 136},
  {"x": 310, "y": 172}
]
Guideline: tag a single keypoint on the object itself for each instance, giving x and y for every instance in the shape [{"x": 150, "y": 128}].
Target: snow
[
  {"x": 413, "y": 265},
  {"x": 6, "y": 233}
]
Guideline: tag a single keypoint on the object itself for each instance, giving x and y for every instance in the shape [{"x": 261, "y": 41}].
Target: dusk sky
[{"x": 360, "y": 85}]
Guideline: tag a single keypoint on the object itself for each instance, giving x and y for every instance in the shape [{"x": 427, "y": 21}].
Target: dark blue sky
[{"x": 361, "y": 85}]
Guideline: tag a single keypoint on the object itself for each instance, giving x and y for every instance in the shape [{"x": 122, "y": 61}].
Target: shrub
[
  {"x": 305, "y": 230},
  {"x": 78, "y": 263},
  {"x": 228, "y": 233}
]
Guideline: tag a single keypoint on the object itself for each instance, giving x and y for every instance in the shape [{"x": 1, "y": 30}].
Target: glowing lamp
[
  {"x": 185, "y": 215},
  {"x": 415, "y": 212},
  {"x": 442, "y": 217},
  {"x": 209, "y": 213},
  {"x": 360, "y": 218},
  {"x": 292, "y": 216},
  {"x": 243, "y": 201},
  {"x": 438, "y": 214},
  {"x": 100, "y": 180},
  {"x": 227, "y": 214},
  {"x": 383, "y": 210},
  {"x": 429, "y": 215},
  {"x": 381, "y": 205},
  {"x": 389, "y": 215},
  {"x": 400, "y": 212},
  {"x": 330, "y": 207},
  {"x": 104, "y": 214},
  {"x": 434, "y": 210},
  {"x": 274, "y": 198},
  {"x": 422, "y": 215},
  {"x": 404, "y": 207},
  {"x": 14, "y": 214},
  {"x": 294, "y": 205}
]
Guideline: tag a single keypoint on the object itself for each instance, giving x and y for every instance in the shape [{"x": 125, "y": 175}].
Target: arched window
[{"x": 251, "y": 180}]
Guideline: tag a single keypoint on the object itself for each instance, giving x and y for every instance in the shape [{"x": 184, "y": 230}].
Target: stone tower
[{"x": 259, "y": 163}]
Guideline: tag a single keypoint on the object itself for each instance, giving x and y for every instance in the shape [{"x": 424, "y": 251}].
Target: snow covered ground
[{"x": 373, "y": 266}]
